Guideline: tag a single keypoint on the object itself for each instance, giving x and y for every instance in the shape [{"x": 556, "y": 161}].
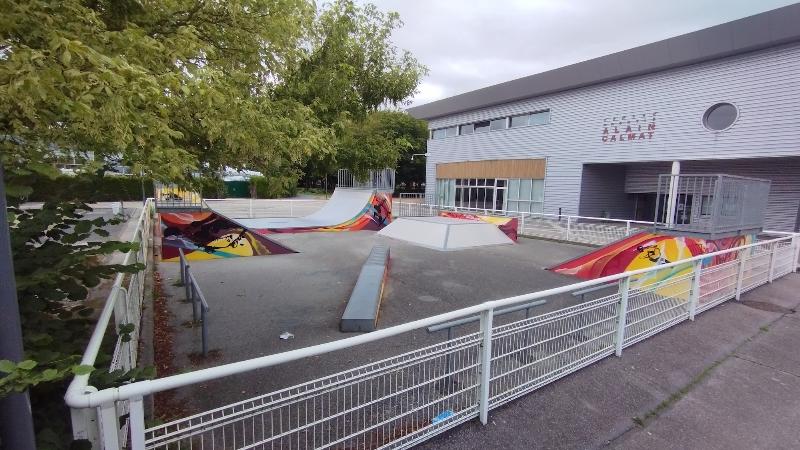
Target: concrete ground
[
  {"x": 253, "y": 300},
  {"x": 729, "y": 380}
]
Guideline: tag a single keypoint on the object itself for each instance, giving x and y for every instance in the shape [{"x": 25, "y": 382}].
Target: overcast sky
[{"x": 469, "y": 44}]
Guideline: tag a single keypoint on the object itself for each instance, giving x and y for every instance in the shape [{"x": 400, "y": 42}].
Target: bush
[
  {"x": 274, "y": 187},
  {"x": 210, "y": 187},
  {"x": 89, "y": 189}
]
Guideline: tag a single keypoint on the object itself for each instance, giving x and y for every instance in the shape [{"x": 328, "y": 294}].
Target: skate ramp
[
  {"x": 205, "y": 235},
  {"x": 445, "y": 233},
  {"x": 645, "y": 250},
  {"x": 347, "y": 210}
]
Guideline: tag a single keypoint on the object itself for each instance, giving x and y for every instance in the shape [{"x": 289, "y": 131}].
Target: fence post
[
  {"x": 569, "y": 225},
  {"x": 694, "y": 295},
  {"x": 771, "y": 273},
  {"x": 108, "y": 422},
  {"x": 203, "y": 317},
  {"x": 190, "y": 294},
  {"x": 430, "y": 210},
  {"x": 291, "y": 208},
  {"x": 627, "y": 228},
  {"x": 182, "y": 260},
  {"x": 622, "y": 311},
  {"x": 136, "y": 422},
  {"x": 486, "y": 364},
  {"x": 740, "y": 275},
  {"x": 796, "y": 246},
  {"x": 85, "y": 423},
  {"x": 251, "y": 207},
  {"x": 521, "y": 223}
]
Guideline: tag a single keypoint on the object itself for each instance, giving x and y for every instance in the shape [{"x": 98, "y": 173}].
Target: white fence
[
  {"x": 242, "y": 208},
  {"x": 124, "y": 304},
  {"x": 580, "y": 229},
  {"x": 406, "y": 399},
  {"x": 382, "y": 180}
]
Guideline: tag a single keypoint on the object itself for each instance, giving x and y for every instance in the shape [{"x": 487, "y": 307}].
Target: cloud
[{"x": 468, "y": 45}]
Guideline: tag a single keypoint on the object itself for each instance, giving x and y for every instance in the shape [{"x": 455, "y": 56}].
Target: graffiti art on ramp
[
  {"x": 208, "y": 235},
  {"x": 507, "y": 225},
  {"x": 644, "y": 250},
  {"x": 374, "y": 213}
]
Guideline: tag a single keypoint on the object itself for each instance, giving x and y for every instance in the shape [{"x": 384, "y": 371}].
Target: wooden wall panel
[{"x": 494, "y": 168}]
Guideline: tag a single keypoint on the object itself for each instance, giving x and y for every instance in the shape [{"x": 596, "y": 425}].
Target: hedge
[
  {"x": 89, "y": 189},
  {"x": 274, "y": 187}
]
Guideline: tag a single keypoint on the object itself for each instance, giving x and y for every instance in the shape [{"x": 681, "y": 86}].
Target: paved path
[{"x": 729, "y": 380}]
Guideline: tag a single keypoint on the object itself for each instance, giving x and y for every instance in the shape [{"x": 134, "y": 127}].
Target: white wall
[{"x": 765, "y": 86}]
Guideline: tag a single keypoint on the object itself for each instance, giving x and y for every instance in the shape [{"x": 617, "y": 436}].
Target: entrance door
[{"x": 500, "y": 194}]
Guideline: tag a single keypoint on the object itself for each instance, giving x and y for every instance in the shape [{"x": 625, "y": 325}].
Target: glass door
[{"x": 500, "y": 194}]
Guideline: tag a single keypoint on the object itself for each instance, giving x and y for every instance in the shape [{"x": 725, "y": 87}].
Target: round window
[{"x": 720, "y": 116}]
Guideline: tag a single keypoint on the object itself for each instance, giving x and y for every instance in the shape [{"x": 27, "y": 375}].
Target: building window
[
  {"x": 442, "y": 133},
  {"x": 720, "y": 116},
  {"x": 481, "y": 127},
  {"x": 519, "y": 121},
  {"x": 537, "y": 118},
  {"x": 498, "y": 124},
  {"x": 525, "y": 195},
  {"x": 490, "y": 194},
  {"x": 467, "y": 129}
]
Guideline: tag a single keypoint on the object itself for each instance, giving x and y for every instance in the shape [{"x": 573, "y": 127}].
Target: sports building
[{"x": 592, "y": 137}]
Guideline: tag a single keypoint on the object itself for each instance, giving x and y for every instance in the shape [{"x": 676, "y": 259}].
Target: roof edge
[{"x": 757, "y": 32}]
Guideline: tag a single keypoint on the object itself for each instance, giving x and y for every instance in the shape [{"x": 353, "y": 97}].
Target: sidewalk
[{"x": 730, "y": 380}]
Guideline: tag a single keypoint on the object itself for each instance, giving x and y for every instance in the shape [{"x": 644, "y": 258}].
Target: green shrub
[
  {"x": 90, "y": 189},
  {"x": 210, "y": 187},
  {"x": 274, "y": 187}
]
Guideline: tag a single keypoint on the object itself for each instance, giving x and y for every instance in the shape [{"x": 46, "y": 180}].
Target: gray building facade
[{"x": 593, "y": 137}]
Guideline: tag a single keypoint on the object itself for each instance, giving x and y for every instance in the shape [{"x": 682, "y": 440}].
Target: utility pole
[{"x": 16, "y": 421}]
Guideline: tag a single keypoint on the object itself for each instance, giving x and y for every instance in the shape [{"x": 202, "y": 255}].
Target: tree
[{"x": 176, "y": 87}]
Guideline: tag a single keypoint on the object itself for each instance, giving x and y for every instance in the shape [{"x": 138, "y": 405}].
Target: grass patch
[{"x": 672, "y": 399}]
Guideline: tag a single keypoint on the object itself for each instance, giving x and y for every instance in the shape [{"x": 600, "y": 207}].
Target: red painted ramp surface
[
  {"x": 347, "y": 210},
  {"x": 208, "y": 235},
  {"x": 645, "y": 250}
]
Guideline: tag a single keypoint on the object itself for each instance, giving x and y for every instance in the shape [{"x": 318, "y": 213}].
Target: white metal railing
[
  {"x": 405, "y": 399},
  {"x": 241, "y": 208},
  {"x": 382, "y": 180},
  {"x": 580, "y": 229},
  {"x": 124, "y": 305}
]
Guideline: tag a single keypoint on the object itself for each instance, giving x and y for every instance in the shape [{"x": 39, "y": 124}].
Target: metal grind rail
[
  {"x": 194, "y": 295},
  {"x": 407, "y": 398}
]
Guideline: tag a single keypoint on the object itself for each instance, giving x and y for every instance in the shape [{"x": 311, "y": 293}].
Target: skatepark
[{"x": 437, "y": 297}]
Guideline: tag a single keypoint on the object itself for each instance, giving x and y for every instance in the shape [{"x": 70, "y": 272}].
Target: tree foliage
[
  {"x": 177, "y": 86},
  {"x": 171, "y": 88}
]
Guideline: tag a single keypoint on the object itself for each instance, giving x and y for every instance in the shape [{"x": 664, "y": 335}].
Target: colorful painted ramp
[
  {"x": 645, "y": 250},
  {"x": 347, "y": 210},
  {"x": 507, "y": 225},
  {"x": 207, "y": 235}
]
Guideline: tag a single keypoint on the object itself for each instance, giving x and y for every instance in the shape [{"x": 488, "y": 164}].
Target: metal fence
[
  {"x": 714, "y": 205},
  {"x": 405, "y": 399},
  {"x": 580, "y": 229},
  {"x": 171, "y": 196},
  {"x": 382, "y": 180},
  {"x": 241, "y": 208},
  {"x": 124, "y": 306}
]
